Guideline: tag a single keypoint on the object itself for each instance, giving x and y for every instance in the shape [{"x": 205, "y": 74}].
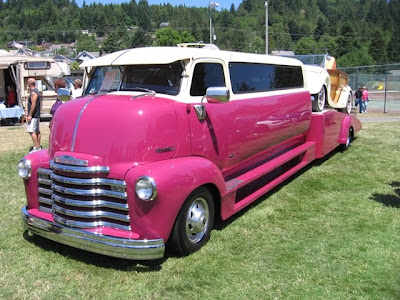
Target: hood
[{"x": 115, "y": 129}]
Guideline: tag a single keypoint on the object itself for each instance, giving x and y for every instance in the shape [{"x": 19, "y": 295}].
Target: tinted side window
[
  {"x": 206, "y": 75},
  {"x": 251, "y": 77}
]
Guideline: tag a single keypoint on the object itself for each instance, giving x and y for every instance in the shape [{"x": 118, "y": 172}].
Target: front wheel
[
  {"x": 319, "y": 100},
  {"x": 194, "y": 223}
]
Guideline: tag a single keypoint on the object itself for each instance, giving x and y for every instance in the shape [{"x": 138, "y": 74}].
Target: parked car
[{"x": 328, "y": 86}]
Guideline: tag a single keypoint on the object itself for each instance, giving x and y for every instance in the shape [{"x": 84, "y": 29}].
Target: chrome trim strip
[
  {"x": 45, "y": 191},
  {"x": 94, "y": 224},
  {"x": 45, "y": 200},
  {"x": 44, "y": 181},
  {"x": 45, "y": 209},
  {"x": 90, "y": 214},
  {"x": 91, "y": 192},
  {"x": 91, "y": 203},
  {"x": 79, "y": 170},
  {"x": 44, "y": 171},
  {"x": 78, "y": 120},
  {"x": 91, "y": 181},
  {"x": 81, "y": 239}
]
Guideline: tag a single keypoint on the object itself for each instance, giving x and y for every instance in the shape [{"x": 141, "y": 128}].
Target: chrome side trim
[
  {"x": 79, "y": 170},
  {"x": 45, "y": 200},
  {"x": 77, "y": 122},
  {"x": 81, "y": 239},
  {"x": 91, "y": 192}
]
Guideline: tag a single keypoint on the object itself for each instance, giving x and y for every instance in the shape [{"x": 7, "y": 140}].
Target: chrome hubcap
[
  {"x": 321, "y": 98},
  {"x": 197, "y": 220}
]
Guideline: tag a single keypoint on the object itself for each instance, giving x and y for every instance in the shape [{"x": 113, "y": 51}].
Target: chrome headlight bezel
[
  {"x": 146, "y": 188},
  {"x": 24, "y": 168}
]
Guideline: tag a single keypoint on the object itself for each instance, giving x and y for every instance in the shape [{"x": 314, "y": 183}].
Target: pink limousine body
[{"x": 164, "y": 141}]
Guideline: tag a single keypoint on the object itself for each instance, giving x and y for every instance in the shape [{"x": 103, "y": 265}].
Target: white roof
[
  {"x": 166, "y": 55},
  {"x": 6, "y": 61}
]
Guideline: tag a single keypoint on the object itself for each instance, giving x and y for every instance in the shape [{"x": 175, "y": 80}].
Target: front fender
[{"x": 175, "y": 180}]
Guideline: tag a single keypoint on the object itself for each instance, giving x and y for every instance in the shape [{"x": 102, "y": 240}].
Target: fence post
[{"x": 386, "y": 87}]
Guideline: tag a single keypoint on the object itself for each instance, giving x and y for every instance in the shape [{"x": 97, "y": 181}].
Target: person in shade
[{"x": 33, "y": 115}]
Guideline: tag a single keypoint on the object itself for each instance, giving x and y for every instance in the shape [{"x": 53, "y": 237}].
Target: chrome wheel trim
[
  {"x": 197, "y": 219},
  {"x": 348, "y": 104},
  {"x": 321, "y": 98}
]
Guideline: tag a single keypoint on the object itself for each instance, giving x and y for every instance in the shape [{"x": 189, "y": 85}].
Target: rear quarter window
[{"x": 253, "y": 77}]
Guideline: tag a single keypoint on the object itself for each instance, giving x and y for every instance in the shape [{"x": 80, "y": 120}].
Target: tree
[
  {"x": 144, "y": 17},
  {"x": 347, "y": 41},
  {"x": 167, "y": 37},
  {"x": 306, "y": 45},
  {"x": 393, "y": 49},
  {"x": 377, "y": 48},
  {"x": 86, "y": 43},
  {"x": 356, "y": 58}
]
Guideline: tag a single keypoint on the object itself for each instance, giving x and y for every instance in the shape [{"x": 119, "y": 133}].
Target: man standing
[
  {"x": 77, "y": 91},
  {"x": 33, "y": 114}
]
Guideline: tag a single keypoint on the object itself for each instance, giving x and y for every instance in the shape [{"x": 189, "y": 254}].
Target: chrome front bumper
[{"x": 102, "y": 244}]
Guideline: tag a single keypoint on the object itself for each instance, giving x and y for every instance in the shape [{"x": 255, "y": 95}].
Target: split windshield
[{"x": 160, "y": 78}]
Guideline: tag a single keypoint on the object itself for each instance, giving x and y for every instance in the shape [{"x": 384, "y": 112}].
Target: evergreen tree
[{"x": 393, "y": 49}]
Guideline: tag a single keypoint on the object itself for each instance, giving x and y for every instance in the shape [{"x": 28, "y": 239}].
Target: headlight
[
  {"x": 146, "y": 188},
  {"x": 24, "y": 168}
]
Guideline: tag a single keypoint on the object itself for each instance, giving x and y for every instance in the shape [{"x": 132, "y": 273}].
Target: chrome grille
[{"x": 81, "y": 197}]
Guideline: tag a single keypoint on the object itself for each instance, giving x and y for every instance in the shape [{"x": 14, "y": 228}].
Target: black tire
[
  {"x": 194, "y": 223},
  {"x": 319, "y": 101},
  {"x": 350, "y": 136}
]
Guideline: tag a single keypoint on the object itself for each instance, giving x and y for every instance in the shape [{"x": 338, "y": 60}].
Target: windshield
[
  {"x": 164, "y": 79},
  {"x": 317, "y": 59}
]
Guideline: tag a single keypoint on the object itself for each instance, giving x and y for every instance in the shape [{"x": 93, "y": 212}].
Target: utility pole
[{"x": 212, "y": 5}]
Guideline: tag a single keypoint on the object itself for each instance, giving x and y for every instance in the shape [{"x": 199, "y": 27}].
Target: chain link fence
[{"x": 383, "y": 83}]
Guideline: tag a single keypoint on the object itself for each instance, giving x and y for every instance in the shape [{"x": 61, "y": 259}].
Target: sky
[{"x": 189, "y": 3}]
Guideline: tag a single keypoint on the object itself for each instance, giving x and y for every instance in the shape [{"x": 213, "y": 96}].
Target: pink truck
[{"x": 165, "y": 140}]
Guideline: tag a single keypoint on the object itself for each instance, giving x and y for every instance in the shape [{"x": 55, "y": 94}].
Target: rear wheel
[
  {"x": 319, "y": 100},
  {"x": 194, "y": 223},
  {"x": 349, "y": 105},
  {"x": 350, "y": 136}
]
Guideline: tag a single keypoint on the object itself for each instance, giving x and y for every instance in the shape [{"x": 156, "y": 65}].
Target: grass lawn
[{"x": 331, "y": 232}]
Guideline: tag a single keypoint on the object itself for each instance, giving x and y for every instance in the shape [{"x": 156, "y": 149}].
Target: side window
[
  {"x": 252, "y": 77},
  {"x": 206, "y": 75}
]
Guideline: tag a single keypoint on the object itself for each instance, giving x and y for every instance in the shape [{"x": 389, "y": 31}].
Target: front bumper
[{"x": 102, "y": 244}]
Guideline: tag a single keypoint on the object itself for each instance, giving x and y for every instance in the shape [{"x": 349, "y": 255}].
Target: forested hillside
[{"x": 362, "y": 32}]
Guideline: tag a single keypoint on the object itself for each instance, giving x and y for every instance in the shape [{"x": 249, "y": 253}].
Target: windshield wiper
[{"x": 148, "y": 92}]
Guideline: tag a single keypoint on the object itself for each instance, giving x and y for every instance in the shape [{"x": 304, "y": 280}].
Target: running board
[{"x": 305, "y": 153}]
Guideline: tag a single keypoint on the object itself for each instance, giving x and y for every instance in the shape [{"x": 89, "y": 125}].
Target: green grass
[{"x": 331, "y": 232}]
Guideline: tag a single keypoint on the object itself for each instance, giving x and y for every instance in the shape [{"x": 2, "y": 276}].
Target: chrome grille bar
[
  {"x": 95, "y": 224},
  {"x": 90, "y": 204},
  {"x": 87, "y": 202},
  {"x": 78, "y": 170},
  {"x": 92, "y": 192}
]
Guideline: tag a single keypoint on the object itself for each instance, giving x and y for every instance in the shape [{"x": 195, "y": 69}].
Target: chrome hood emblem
[{"x": 70, "y": 160}]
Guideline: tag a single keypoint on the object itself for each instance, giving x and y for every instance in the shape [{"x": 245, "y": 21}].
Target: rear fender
[
  {"x": 347, "y": 123},
  {"x": 175, "y": 180}
]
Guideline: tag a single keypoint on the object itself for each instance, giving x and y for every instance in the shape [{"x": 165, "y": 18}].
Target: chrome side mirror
[
  {"x": 217, "y": 94},
  {"x": 64, "y": 94},
  {"x": 213, "y": 95}
]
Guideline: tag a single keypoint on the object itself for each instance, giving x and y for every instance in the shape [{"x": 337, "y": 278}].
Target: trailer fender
[
  {"x": 346, "y": 126},
  {"x": 174, "y": 179}
]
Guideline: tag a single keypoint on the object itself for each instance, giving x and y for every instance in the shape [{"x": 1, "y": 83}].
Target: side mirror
[
  {"x": 213, "y": 95},
  {"x": 63, "y": 94},
  {"x": 217, "y": 94}
]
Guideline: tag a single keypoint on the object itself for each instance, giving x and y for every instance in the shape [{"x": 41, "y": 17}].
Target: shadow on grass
[
  {"x": 95, "y": 259},
  {"x": 389, "y": 200},
  {"x": 220, "y": 224},
  {"x": 107, "y": 262}
]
